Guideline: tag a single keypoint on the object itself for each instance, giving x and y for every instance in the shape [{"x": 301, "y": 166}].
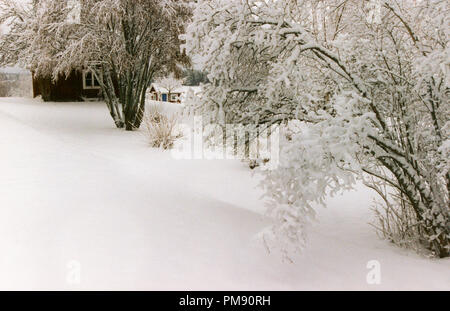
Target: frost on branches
[
  {"x": 124, "y": 42},
  {"x": 360, "y": 95},
  {"x": 128, "y": 41},
  {"x": 29, "y": 37}
]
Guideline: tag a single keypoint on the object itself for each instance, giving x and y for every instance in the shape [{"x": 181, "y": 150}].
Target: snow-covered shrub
[
  {"x": 161, "y": 128},
  {"x": 369, "y": 88},
  {"x": 395, "y": 219}
]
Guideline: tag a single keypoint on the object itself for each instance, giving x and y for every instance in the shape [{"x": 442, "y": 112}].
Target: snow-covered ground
[{"x": 80, "y": 198}]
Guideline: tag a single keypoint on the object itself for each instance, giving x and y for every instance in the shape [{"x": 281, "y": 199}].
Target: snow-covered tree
[
  {"x": 195, "y": 77},
  {"x": 361, "y": 92},
  {"x": 170, "y": 83},
  {"x": 128, "y": 41},
  {"x": 124, "y": 42},
  {"x": 29, "y": 39}
]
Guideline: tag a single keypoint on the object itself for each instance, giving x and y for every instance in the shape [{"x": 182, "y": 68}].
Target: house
[
  {"x": 82, "y": 85},
  {"x": 159, "y": 93},
  {"x": 79, "y": 85}
]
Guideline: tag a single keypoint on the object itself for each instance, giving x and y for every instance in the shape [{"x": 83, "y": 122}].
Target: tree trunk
[
  {"x": 141, "y": 110},
  {"x": 112, "y": 102}
]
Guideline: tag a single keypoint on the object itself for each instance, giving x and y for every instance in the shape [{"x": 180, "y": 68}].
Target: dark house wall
[{"x": 64, "y": 89}]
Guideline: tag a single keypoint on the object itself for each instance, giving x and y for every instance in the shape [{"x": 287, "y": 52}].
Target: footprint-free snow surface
[{"x": 86, "y": 206}]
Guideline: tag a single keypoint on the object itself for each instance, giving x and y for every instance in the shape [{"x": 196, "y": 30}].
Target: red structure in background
[{"x": 79, "y": 85}]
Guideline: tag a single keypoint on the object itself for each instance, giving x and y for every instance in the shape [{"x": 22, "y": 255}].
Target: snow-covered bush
[
  {"x": 395, "y": 220},
  {"x": 161, "y": 128},
  {"x": 368, "y": 84}
]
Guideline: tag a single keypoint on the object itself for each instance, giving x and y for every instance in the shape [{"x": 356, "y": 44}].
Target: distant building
[{"x": 158, "y": 93}]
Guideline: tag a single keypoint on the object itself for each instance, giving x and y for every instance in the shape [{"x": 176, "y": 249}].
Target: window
[
  {"x": 89, "y": 80},
  {"x": 173, "y": 97}
]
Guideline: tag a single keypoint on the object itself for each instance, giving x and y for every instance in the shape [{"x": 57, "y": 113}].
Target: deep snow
[{"x": 73, "y": 188}]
